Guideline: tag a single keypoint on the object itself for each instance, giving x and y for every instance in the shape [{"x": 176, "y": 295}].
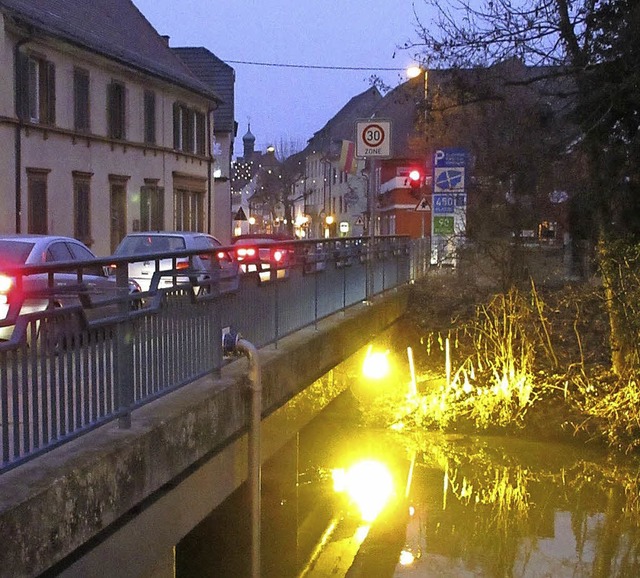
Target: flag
[{"x": 348, "y": 161}]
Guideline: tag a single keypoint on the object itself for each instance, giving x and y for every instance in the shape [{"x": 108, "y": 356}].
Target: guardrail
[{"x": 68, "y": 369}]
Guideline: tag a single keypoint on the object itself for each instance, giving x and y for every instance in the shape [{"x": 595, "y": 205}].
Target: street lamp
[{"x": 328, "y": 222}]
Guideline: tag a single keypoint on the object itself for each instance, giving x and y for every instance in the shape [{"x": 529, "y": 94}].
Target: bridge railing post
[{"x": 123, "y": 355}]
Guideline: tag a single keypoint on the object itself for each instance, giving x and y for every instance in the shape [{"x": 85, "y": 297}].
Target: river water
[{"x": 342, "y": 499}]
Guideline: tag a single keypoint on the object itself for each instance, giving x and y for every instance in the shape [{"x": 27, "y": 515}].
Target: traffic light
[{"x": 415, "y": 179}]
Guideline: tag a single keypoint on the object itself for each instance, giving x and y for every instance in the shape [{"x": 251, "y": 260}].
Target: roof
[
  {"x": 400, "y": 106},
  {"x": 115, "y": 29},
  {"x": 216, "y": 74},
  {"x": 342, "y": 125}
]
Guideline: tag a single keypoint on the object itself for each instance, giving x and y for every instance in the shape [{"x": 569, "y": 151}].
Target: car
[
  {"x": 36, "y": 292},
  {"x": 257, "y": 252},
  {"x": 149, "y": 243}
]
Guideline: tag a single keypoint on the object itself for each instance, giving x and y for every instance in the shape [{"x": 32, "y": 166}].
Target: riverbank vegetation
[{"x": 535, "y": 361}]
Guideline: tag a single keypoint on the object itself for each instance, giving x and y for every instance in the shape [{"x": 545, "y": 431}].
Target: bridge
[{"x": 137, "y": 422}]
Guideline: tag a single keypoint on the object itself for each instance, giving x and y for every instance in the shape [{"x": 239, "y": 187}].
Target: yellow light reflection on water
[
  {"x": 369, "y": 485},
  {"x": 376, "y": 364},
  {"x": 406, "y": 558}
]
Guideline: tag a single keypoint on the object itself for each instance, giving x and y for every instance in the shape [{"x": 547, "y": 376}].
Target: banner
[{"x": 348, "y": 162}]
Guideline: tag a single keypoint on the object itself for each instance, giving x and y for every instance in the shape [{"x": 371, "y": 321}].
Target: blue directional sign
[
  {"x": 443, "y": 204},
  {"x": 452, "y": 157},
  {"x": 448, "y": 180}
]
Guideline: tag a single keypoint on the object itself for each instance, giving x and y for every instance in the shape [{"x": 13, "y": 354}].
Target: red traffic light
[{"x": 415, "y": 178}]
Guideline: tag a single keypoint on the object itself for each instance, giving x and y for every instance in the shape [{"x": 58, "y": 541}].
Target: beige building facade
[{"x": 95, "y": 144}]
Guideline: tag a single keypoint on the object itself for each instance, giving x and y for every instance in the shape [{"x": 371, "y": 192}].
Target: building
[
  {"x": 331, "y": 199},
  {"x": 220, "y": 77},
  {"x": 104, "y": 129}
]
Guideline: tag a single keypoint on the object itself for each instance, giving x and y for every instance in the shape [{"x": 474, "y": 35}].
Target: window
[
  {"x": 36, "y": 89},
  {"x": 82, "y": 207},
  {"x": 116, "y": 111},
  {"x": 37, "y": 201},
  {"x": 149, "y": 117},
  {"x": 81, "y": 100},
  {"x": 188, "y": 199},
  {"x": 151, "y": 207},
  {"x": 189, "y": 129}
]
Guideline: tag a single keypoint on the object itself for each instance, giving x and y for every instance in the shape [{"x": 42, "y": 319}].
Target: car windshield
[
  {"x": 14, "y": 252},
  {"x": 148, "y": 244}
]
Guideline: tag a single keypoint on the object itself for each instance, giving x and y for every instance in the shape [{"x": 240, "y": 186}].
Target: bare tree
[{"x": 595, "y": 45}]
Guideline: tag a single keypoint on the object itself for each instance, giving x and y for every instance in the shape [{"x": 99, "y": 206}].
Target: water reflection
[
  {"x": 446, "y": 506},
  {"x": 502, "y": 507}
]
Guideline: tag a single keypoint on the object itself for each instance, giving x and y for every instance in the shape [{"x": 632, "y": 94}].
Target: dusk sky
[{"x": 286, "y": 104}]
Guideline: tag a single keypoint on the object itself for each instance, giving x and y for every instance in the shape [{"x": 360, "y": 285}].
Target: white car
[
  {"x": 154, "y": 244},
  {"x": 36, "y": 292}
]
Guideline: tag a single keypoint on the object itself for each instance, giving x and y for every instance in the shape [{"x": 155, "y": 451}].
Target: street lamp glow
[
  {"x": 329, "y": 220},
  {"x": 414, "y": 71}
]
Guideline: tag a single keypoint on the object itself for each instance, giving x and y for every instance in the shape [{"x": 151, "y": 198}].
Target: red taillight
[
  {"x": 245, "y": 253},
  {"x": 6, "y": 283},
  {"x": 278, "y": 255}
]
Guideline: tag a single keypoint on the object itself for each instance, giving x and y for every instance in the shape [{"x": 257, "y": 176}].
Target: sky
[{"x": 287, "y": 105}]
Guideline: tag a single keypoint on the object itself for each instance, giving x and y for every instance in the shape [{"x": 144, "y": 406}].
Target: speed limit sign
[{"x": 373, "y": 138}]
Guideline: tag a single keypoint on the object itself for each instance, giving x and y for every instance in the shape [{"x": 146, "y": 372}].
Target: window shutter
[
  {"x": 200, "y": 133},
  {"x": 50, "y": 93},
  {"x": 81, "y": 96},
  {"x": 157, "y": 217},
  {"x": 176, "y": 126},
  {"x": 110, "y": 109},
  {"x": 22, "y": 86}
]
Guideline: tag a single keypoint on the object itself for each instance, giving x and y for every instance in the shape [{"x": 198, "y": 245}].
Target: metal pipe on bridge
[{"x": 233, "y": 342}]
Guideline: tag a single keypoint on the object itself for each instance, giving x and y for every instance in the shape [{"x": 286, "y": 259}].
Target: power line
[{"x": 315, "y": 66}]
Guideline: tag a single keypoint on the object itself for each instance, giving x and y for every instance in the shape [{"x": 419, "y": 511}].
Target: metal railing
[{"x": 68, "y": 369}]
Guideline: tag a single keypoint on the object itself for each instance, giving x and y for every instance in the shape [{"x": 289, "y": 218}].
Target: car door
[
  {"x": 94, "y": 276},
  {"x": 58, "y": 252}
]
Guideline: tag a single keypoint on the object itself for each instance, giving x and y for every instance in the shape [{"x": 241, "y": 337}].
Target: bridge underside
[{"x": 115, "y": 501}]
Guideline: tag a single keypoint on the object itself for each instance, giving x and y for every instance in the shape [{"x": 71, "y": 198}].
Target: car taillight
[
  {"x": 6, "y": 283},
  {"x": 245, "y": 253},
  {"x": 278, "y": 255}
]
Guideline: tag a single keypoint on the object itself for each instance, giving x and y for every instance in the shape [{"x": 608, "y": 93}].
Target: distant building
[{"x": 329, "y": 200}]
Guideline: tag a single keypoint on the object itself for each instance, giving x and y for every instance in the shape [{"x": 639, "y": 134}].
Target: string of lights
[{"x": 313, "y": 66}]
